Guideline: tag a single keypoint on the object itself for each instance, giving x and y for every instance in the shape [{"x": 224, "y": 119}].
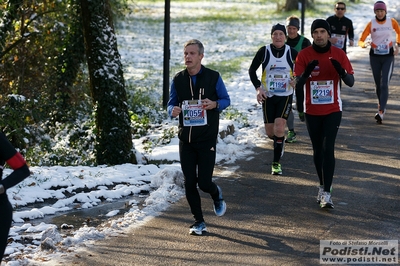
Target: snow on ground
[{"x": 154, "y": 187}]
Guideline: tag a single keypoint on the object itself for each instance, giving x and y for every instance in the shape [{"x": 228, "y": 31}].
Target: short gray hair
[{"x": 195, "y": 42}]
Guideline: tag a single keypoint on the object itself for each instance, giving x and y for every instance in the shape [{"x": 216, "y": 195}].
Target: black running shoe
[{"x": 378, "y": 118}]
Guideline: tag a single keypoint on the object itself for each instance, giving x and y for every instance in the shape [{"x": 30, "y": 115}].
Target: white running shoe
[
  {"x": 320, "y": 192},
  {"x": 198, "y": 228},
  {"x": 326, "y": 201}
]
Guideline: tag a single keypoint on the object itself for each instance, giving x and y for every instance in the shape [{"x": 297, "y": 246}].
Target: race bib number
[
  {"x": 193, "y": 113},
  {"x": 321, "y": 92},
  {"x": 383, "y": 48},
  {"x": 340, "y": 40},
  {"x": 278, "y": 83}
]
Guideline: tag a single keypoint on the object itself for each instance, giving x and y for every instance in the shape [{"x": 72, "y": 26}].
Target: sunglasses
[{"x": 340, "y": 8}]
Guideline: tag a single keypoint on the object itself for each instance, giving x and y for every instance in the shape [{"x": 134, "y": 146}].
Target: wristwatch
[
  {"x": 217, "y": 107},
  {"x": 1, "y": 189}
]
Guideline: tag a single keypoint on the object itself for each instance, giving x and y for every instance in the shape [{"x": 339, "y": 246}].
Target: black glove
[
  {"x": 301, "y": 116},
  {"x": 309, "y": 68},
  {"x": 338, "y": 67}
]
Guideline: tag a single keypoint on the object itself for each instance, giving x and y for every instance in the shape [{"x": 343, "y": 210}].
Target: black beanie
[
  {"x": 278, "y": 27},
  {"x": 320, "y": 23},
  {"x": 293, "y": 22}
]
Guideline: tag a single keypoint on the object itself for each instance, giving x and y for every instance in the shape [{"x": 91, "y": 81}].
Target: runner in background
[
  {"x": 298, "y": 42},
  {"x": 275, "y": 88},
  {"x": 381, "y": 54},
  {"x": 341, "y": 27}
]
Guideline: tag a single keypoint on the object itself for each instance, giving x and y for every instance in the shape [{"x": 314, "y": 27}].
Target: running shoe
[
  {"x": 320, "y": 192},
  {"x": 378, "y": 118},
  {"x": 198, "y": 228},
  {"x": 219, "y": 204},
  {"x": 326, "y": 201},
  {"x": 291, "y": 137},
  {"x": 276, "y": 169}
]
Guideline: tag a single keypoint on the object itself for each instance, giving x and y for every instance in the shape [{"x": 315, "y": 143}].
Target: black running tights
[
  {"x": 323, "y": 131},
  {"x": 5, "y": 222},
  {"x": 197, "y": 163}
]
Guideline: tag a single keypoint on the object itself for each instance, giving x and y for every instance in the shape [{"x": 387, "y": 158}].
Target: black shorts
[{"x": 276, "y": 106}]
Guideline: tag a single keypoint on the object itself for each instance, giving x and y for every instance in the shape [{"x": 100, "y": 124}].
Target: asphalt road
[{"x": 275, "y": 220}]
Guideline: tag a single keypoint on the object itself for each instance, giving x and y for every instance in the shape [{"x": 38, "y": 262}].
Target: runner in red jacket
[
  {"x": 14, "y": 159},
  {"x": 319, "y": 70}
]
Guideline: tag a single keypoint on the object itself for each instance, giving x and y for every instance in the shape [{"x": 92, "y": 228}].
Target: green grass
[
  {"x": 253, "y": 12},
  {"x": 228, "y": 68}
]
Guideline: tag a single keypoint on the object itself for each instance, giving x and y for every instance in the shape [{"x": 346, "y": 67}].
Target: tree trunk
[
  {"x": 69, "y": 64},
  {"x": 113, "y": 136},
  {"x": 291, "y": 5}
]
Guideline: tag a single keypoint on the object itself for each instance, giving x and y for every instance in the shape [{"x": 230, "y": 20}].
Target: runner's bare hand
[
  {"x": 208, "y": 104},
  {"x": 261, "y": 95},
  {"x": 176, "y": 111}
]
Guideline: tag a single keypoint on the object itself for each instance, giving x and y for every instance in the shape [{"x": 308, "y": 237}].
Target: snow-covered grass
[{"x": 232, "y": 32}]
